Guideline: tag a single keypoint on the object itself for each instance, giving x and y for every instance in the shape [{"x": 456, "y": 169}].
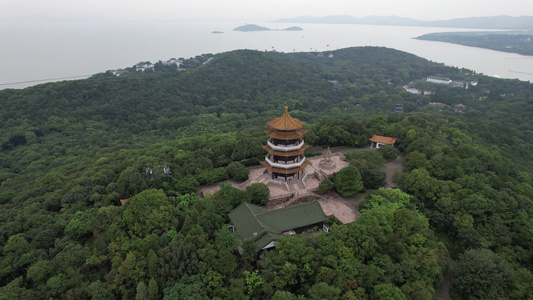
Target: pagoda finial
[{"x": 286, "y": 109}]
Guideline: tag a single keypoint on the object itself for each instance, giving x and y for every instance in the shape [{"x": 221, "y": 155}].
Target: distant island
[
  {"x": 513, "y": 42},
  {"x": 495, "y": 22},
  {"x": 216, "y": 31},
  {"x": 253, "y": 27}
]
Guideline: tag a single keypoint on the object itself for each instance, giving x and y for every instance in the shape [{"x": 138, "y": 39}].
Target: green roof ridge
[
  {"x": 251, "y": 218},
  {"x": 298, "y": 206},
  {"x": 263, "y": 224}
]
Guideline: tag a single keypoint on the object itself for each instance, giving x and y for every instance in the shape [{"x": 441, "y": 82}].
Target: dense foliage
[
  {"x": 348, "y": 181},
  {"x": 70, "y": 151}
]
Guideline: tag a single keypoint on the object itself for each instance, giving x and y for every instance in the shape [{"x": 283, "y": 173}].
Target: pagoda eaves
[
  {"x": 286, "y": 122},
  {"x": 285, "y": 171},
  {"x": 285, "y": 159},
  {"x": 283, "y": 135},
  {"x": 285, "y": 154}
]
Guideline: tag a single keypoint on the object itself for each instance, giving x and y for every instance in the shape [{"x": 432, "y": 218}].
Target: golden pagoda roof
[
  {"x": 286, "y": 154},
  {"x": 383, "y": 139},
  {"x": 283, "y": 135},
  {"x": 286, "y": 122},
  {"x": 285, "y": 171}
]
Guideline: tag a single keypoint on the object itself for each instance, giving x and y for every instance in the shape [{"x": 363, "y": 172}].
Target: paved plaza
[{"x": 344, "y": 209}]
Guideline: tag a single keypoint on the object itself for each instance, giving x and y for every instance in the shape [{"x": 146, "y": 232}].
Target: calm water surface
[{"x": 35, "y": 51}]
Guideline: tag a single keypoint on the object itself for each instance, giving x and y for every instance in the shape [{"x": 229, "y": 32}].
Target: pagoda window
[{"x": 277, "y": 142}]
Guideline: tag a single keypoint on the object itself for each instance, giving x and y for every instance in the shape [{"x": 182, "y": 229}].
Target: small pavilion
[
  {"x": 285, "y": 160},
  {"x": 378, "y": 140}
]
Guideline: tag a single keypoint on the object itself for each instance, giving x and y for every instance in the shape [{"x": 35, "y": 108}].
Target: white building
[
  {"x": 439, "y": 80},
  {"x": 143, "y": 67}
]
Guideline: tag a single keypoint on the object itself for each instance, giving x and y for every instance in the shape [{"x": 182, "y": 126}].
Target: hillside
[
  {"x": 70, "y": 151},
  {"x": 513, "y": 42}
]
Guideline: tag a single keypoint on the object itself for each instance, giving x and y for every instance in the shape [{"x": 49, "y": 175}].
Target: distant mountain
[
  {"x": 495, "y": 22},
  {"x": 346, "y": 19},
  {"x": 293, "y": 28},
  {"x": 253, "y": 27},
  {"x": 506, "y": 41}
]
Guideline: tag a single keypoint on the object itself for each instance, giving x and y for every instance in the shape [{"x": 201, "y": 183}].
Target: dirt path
[
  {"x": 445, "y": 291},
  {"x": 346, "y": 209},
  {"x": 391, "y": 168}
]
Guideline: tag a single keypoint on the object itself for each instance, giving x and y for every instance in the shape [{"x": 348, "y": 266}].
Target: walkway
[
  {"x": 343, "y": 208},
  {"x": 391, "y": 168}
]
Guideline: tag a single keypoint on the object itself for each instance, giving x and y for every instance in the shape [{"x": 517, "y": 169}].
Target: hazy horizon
[
  {"x": 44, "y": 39},
  {"x": 167, "y": 10}
]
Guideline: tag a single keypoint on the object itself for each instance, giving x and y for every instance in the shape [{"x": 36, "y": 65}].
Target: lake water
[{"x": 37, "y": 51}]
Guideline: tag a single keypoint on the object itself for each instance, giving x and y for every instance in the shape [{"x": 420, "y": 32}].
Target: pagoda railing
[
  {"x": 284, "y": 166},
  {"x": 285, "y": 148}
]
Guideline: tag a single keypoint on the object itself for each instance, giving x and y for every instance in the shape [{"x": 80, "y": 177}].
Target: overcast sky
[{"x": 263, "y": 10}]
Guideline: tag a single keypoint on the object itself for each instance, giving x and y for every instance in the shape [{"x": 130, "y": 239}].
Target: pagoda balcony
[
  {"x": 285, "y": 148},
  {"x": 284, "y": 166}
]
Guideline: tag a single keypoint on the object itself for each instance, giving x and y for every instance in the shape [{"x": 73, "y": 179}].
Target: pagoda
[{"x": 285, "y": 160}]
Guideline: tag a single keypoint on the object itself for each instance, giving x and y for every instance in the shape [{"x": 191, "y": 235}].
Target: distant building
[
  {"x": 457, "y": 84},
  {"x": 266, "y": 227},
  {"x": 459, "y": 108},
  {"x": 412, "y": 90},
  {"x": 398, "y": 107},
  {"x": 336, "y": 84},
  {"x": 439, "y": 80},
  {"x": 174, "y": 61},
  {"x": 445, "y": 80},
  {"x": 208, "y": 60},
  {"x": 440, "y": 105},
  {"x": 378, "y": 140},
  {"x": 144, "y": 67},
  {"x": 118, "y": 72}
]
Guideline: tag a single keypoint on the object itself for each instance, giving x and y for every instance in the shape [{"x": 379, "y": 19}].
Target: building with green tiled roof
[{"x": 265, "y": 227}]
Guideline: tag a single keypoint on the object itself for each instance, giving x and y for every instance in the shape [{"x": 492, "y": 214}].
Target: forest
[{"x": 71, "y": 150}]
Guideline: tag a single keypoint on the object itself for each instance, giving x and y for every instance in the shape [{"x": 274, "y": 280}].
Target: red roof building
[{"x": 378, "y": 140}]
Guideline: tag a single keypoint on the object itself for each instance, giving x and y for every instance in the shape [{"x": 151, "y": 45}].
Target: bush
[
  {"x": 325, "y": 186},
  {"x": 348, "y": 181},
  {"x": 237, "y": 171},
  {"x": 481, "y": 274},
  {"x": 372, "y": 176},
  {"x": 373, "y": 157},
  {"x": 388, "y": 152},
  {"x": 258, "y": 193}
]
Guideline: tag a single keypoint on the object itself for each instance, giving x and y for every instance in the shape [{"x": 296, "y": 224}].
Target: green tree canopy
[
  {"x": 237, "y": 171},
  {"x": 481, "y": 274},
  {"x": 147, "y": 211},
  {"x": 348, "y": 181},
  {"x": 258, "y": 193}
]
